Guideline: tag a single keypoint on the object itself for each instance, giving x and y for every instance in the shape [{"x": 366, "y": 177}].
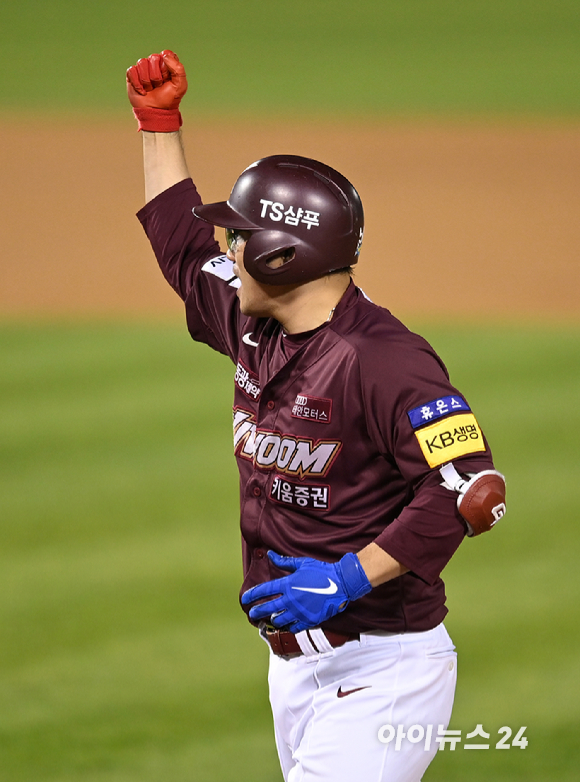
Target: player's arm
[
  {"x": 378, "y": 565},
  {"x": 316, "y": 591},
  {"x": 155, "y": 86},
  {"x": 185, "y": 246},
  {"x": 164, "y": 163},
  {"x": 480, "y": 501}
]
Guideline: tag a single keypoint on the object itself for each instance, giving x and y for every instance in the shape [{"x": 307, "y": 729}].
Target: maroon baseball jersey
[{"x": 338, "y": 433}]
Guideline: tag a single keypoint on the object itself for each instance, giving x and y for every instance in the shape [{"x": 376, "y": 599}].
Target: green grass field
[
  {"x": 124, "y": 655},
  {"x": 256, "y": 57}
]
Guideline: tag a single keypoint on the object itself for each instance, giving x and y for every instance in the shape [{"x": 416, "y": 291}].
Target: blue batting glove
[{"x": 312, "y": 593}]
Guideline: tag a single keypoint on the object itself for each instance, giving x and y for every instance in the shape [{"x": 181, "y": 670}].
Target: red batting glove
[{"x": 155, "y": 87}]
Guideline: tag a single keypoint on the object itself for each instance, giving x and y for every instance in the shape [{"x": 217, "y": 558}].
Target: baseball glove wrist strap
[{"x": 158, "y": 120}]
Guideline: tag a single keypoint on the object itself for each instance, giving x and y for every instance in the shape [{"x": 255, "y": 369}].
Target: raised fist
[{"x": 155, "y": 86}]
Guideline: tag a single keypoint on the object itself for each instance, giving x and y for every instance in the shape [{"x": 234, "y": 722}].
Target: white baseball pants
[{"x": 329, "y": 708}]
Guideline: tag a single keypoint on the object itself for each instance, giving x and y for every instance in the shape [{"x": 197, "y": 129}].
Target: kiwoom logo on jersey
[{"x": 289, "y": 455}]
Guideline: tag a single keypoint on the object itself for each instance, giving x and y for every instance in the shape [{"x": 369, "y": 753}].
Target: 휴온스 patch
[{"x": 437, "y": 408}]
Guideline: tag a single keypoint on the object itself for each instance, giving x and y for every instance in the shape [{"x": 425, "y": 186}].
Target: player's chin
[
  {"x": 249, "y": 311},
  {"x": 249, "y": 307},
  {"x": 245, "y": 307}
]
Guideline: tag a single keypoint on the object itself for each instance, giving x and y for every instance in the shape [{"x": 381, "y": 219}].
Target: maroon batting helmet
[{"x": 294, "y": 207}]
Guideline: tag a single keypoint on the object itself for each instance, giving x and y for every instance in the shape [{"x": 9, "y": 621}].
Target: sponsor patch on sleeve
[
  {"x": 223, "y": 268},
  {"x": 435, "y": 409},
  {"x": 450, "y": 438}
]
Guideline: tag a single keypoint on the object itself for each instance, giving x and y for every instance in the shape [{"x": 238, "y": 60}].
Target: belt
[{"x": 284, "y": 644}]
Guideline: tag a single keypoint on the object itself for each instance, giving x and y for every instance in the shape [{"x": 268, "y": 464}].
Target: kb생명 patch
[{"x": 450, "y": 438}]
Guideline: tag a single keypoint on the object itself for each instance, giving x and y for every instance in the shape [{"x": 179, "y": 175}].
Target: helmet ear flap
[{"x": 263, "y": 247}]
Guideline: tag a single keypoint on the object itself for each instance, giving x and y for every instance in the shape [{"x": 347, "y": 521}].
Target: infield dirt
[{"x": 463, "y": 220}]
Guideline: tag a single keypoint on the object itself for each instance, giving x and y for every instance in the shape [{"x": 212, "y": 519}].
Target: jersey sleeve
[
  {"x": 192, "y": 263},
  {"x": 421, "y": 422}
]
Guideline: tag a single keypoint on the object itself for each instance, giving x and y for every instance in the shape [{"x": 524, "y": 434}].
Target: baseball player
[{"x": 361, "y": 467}]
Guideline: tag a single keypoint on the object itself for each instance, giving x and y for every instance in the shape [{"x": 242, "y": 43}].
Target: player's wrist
[{"x": 158, "y": 120}]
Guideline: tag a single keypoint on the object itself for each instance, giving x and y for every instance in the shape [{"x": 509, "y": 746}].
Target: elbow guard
[{"x": 481, "y": 500}]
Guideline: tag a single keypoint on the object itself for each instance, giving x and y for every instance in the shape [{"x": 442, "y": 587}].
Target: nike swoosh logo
[
  {"x": 331, "y": 589},
  {"x": 247, "y": 338},
  {"x": 343, "y": 693}
]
